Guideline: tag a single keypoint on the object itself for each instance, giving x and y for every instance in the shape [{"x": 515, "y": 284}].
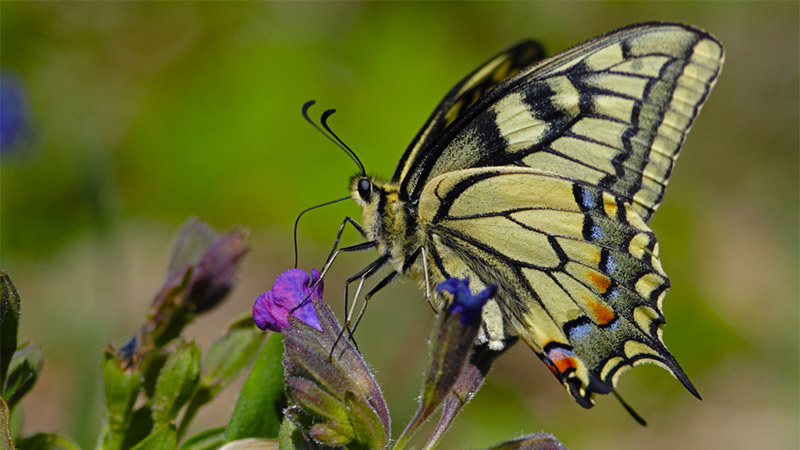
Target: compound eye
[{"x": 364, "y": 189}]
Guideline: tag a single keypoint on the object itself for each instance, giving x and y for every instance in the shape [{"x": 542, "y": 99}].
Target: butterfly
[{"x": 539, "y": 176}]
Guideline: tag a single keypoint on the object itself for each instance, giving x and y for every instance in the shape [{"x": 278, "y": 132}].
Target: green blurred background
[{"x": 143, "y": 114}]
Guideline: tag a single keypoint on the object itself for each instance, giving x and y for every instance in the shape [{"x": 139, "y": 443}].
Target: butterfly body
[
  {"x": 539, "y": 176},
  {"x": 386, "y": 221}
]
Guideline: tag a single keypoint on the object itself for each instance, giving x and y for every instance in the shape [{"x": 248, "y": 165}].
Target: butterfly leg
[
  {"x": 381, "y": 284},
  {"x": 335, "y": 251},
  {"x": 362, "y": 276},
  {"x": 353, "y": 248},
  {"x": 427, "y": 278},
  {"x": 410, "y": 262},
  {"x": 334, "y": 254}
]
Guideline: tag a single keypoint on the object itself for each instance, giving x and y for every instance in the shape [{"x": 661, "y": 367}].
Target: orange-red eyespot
[{"x": 562, "y": 359}]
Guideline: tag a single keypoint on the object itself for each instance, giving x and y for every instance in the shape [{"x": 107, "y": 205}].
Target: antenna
[
  {"x": 330, "y": 134},
  {"x": 297, "y": 221}
]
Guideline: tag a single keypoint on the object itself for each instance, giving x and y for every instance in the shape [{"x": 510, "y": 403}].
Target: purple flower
[
  {"x": 272, "y": 308},
  {"x": 463, "y": 300}
]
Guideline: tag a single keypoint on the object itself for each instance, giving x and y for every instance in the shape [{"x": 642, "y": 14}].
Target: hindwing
[{"x": 577, "y": 269}]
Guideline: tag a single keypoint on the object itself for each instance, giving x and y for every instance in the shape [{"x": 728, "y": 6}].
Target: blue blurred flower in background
[{"x": 13, "y": 112}]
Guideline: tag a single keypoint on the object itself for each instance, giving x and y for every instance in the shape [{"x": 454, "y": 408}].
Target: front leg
[{"x": 335, "y": 252}]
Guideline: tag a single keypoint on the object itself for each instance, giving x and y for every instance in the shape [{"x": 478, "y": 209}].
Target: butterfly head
[
  {"x": 362, "y": 189},
  {"x": 367, "y": 195},
  {"x": 382, "y": 210}
]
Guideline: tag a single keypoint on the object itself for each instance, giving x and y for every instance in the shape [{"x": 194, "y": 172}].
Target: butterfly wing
[
  {"x": 612, "y": 112},
  {"x": 576, "y": 266},
  {"x": 465, "y": 93}
]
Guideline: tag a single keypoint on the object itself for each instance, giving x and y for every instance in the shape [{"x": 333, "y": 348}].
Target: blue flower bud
[{"x": 464, "y": 301}]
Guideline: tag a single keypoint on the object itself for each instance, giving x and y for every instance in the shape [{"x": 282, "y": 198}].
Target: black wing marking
[{"x": 464, "y": 94}]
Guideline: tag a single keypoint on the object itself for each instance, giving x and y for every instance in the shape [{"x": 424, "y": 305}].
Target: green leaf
[
  {"x": 151, "y": 368},
  {"x": 206, "y": 440},
  {"x": 26, "y": 365},
  {"x": 9, "y": 324},
  {"x": 327, "y": 433},
  {"x": 47, "y": 441},
  {"x": 121, "y": 387},
  {"x": 201, "y": 396},
  {"x": 258, "y": 409},
  {"x": 141, "y": 424},
  {"x": 231, "y": 353},
  {"x": 366, "y": 423},
  {"x": 320, "y": 404},
  {"x": 165, "y": 437},
  {"x": 223, "y": 363},
  {"x": 176, "y": 383},
  {"x": 290, "y": 437}
]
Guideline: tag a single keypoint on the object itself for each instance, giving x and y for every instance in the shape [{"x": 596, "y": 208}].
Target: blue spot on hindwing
[
  {"x": 595, "y": 232},
  {"x": 611, "y": 264},
  {"x": 591, "y": 231},
  {"x": 579, "y": 332},
  {"x": 588, "y": 200}
]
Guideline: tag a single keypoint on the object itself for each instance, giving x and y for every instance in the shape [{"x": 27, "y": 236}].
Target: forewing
[
  {"x": 612, "y": 112},
  {"x": 577, "y": 268},
  {"x": 464, "y": 94}
]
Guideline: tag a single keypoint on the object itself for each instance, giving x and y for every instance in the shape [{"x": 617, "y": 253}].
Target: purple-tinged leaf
[
  {"x": 469, "y": 382},
  {"x": 536, "y": 441},
  {"x": 201, "y": 273},
  {"x": 338, "y": 373},
  {"x": 451, "y": 342}
]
